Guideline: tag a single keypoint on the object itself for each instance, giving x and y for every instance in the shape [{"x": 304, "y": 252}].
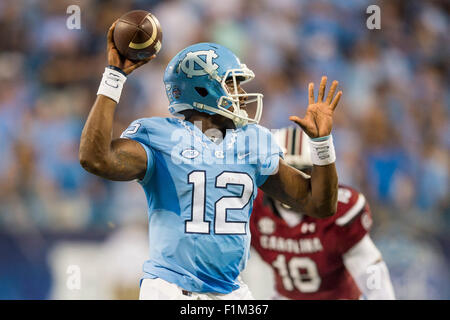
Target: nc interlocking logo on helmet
[
  {"x": 193, "y": 58},
  {"x": 207, "y": 77}
]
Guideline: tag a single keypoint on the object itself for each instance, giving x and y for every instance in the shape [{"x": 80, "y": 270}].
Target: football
[{"x": 137, "y": 35}]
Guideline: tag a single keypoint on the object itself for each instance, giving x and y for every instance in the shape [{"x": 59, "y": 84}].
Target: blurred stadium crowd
[{"x": 392, "y": 132}]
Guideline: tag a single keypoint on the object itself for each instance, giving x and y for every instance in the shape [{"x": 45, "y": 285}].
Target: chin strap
[{"x": 242, "y": 119}]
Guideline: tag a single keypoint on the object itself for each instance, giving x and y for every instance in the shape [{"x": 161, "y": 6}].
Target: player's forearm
[
  {"x": 324, "y": 191},
  {"x": 96, "y": 137},
  {"x": 303, "y": 194}
]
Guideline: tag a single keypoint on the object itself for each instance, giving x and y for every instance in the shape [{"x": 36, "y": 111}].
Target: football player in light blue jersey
[{"x": 202, "y": 168}]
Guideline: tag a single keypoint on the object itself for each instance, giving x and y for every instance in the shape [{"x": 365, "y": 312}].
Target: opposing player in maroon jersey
[{"x": 331, "y": 258}]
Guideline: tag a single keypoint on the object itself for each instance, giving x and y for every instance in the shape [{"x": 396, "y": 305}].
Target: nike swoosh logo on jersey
[{"x": 242, "y": 156}]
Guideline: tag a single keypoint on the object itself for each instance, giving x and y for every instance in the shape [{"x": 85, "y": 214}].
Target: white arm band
[
  {"x": 112, "y": 84},
  {"x": 365, "y": 264},
  {"x": 322, "y": 150}
]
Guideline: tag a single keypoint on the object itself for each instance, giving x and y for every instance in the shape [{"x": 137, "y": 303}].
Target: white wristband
[
  {"x": 322, "y": 152},
  {"x": 112, "y": 84}
]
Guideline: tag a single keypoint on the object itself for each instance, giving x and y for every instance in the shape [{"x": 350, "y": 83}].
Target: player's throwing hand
[
  {"x": 117, "y": 60},
  {"x": 318, "y": 120}
]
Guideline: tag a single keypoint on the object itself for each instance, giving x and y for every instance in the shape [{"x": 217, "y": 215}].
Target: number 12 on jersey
[{"x": 197, "y": 223}]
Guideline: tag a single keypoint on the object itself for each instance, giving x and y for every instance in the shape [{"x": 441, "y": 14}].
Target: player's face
[
  {"x": 220, "y": 121},
  {"x": 231, "y": 89}
]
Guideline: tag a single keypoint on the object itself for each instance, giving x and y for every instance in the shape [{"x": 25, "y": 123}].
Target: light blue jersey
[{"x": 200, "y": 195}]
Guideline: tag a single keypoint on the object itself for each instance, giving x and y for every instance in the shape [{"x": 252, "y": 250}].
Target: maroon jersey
[{"x": 307, "y": 257}]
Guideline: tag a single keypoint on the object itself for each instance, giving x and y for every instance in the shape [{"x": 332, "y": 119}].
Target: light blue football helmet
[{"x": 196, "y": 79}]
